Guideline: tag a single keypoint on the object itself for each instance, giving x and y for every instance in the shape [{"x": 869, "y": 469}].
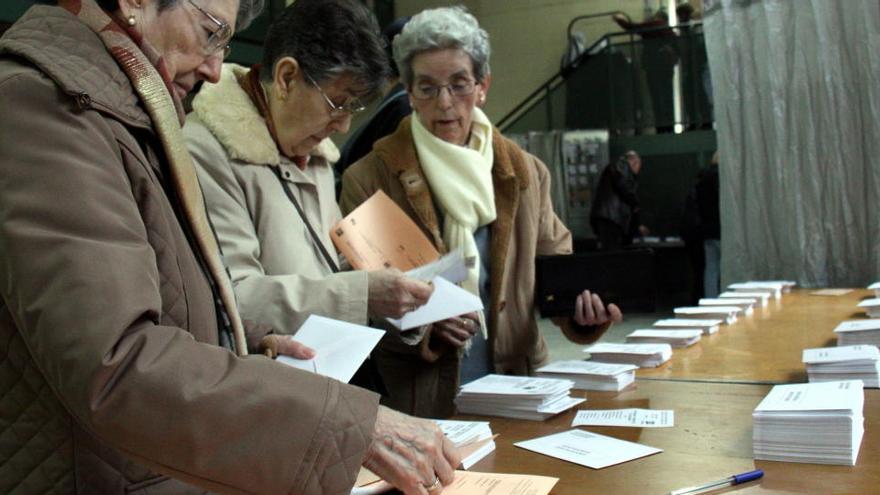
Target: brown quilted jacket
[{"x": 111, "y": 381}]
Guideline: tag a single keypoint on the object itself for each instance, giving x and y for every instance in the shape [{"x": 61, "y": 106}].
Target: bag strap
[{"x": 329, "y": 259}]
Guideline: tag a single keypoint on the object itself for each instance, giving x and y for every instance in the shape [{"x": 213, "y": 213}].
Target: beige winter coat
[
  {"x": 112, "y": 380},
  {"x": 525, "y": 227},
  {"x": 279, "y": 274}
]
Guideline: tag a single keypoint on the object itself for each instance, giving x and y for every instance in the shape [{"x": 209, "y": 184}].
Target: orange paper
[{"x": 378, "y": 234}]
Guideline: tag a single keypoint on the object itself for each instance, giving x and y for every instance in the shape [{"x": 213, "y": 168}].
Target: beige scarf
[
  {"x": 461, "y": 182},
  {"x": 149, "y": 78}
]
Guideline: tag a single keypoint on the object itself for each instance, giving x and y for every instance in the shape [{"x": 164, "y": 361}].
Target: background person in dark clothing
[
  {"x": 707, "y": 205},
  {"x": 615, "y": 207},
  {"x": 659, "y": 56},
  {"x": 394, "y": 107}
]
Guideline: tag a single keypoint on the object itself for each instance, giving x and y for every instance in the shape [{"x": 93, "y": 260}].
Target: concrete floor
[{"x": 561, "y": 348}]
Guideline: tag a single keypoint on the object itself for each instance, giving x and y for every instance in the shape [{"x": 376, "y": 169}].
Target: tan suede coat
[
  {"x": 112, "y": 380},
  {"x": 525, "y": 227}
]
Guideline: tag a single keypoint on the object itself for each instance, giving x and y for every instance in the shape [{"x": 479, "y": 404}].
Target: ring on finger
[{"x": 433, "y": 486}]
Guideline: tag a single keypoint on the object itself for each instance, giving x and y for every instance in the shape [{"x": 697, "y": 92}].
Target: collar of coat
[
  {"x": 228, "y": 112},
  {"x": 510, "y": 175}
]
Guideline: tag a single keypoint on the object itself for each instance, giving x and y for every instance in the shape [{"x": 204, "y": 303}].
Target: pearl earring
[{"x": 131, "y": 20}]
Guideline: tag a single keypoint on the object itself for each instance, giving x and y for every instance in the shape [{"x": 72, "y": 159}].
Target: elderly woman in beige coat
[
  {"x": 259, "y": 139},
  {"x": 467, "y": 187}
]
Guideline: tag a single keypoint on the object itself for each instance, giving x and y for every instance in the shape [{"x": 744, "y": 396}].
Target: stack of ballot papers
[
  {"x": 849, "y": 362},
  {"x": 818, "y": 423},
  {"x": 590, "y": 375},
  {"x": 726, "y": 314},
  {"x": 746, "y": 304},
  {"x": 774, "y": 289},
  {"x": 641, "y": 355},
  {"x": 474, "y": 439},
  {"x": 871, "y": 306},
  {"x": 518, "y": 397},
  {"x": 856, "y": 332},
  {"x": 708, "y": 327},
  {"x": 876, "y": 288},
  {"x": 677, "y": 338},
  {"x": 761, "y": 298}
]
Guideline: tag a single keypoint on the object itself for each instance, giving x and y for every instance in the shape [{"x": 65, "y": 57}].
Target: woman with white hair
[{"x": 467, "y": 187}]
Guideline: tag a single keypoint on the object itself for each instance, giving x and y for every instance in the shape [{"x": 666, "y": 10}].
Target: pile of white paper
[
  {"x": 641, "y": 355},
  {"x": 474, "y": 439},
  {"x": 871, "y": 306},
  {"x": 677, "y": 338},
  {"x": 850, "y": 362},
  {"x": 708, "y": 327},
  {"x": 774, "y": 289},
  {"x": 762, "y": 298},
  {"x": 746, "y": 304},
  {"x": 857, "y": 332},
  {"x": 590, "y": 375},
  {"x": 518, "y": 397},
  {"x": 727, "y": 314},
  {"x": 820, "y": 423},
  {"x": 876, "y": 288}
]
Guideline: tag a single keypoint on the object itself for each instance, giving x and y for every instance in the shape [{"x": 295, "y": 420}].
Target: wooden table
[
  {"x": 766, "y": 346},
  {"x": 712, "y": 439}
]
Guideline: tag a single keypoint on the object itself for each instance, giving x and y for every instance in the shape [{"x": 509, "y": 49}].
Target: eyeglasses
[
  {"x": 337, "y": 111},
  {"x": 430, "y": 91},
  {"x": 219, "y": 38}
]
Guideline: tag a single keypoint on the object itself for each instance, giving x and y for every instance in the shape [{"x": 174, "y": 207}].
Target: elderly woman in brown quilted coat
[{"x": 124, "y": 363}]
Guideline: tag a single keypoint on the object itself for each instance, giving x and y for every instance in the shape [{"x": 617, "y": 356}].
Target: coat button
[{"x": 502, "y": 306}]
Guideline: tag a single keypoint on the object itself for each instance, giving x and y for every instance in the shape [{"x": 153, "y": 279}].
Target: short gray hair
[{"x": 446, "y": 27}]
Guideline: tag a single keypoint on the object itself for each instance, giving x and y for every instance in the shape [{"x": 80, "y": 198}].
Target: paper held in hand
[
  {"x": 378, "y": 234},
  {"x": 340, "y": 347}
]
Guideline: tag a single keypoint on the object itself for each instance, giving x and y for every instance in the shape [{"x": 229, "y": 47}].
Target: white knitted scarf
[{"x": 461, "y": 182}]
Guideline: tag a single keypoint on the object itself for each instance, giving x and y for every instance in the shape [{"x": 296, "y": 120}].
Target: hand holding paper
[{"x": 446, "y": 301}]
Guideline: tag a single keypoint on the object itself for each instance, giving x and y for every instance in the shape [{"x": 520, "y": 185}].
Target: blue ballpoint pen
[{"x": 717, "y": 485}]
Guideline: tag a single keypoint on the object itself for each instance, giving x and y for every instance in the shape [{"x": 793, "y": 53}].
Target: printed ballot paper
[
  {"x": 378, "y": 234},
  {"x": 340, "y": 347},
  {"x": 473, "y": 439},
  {"x": 446, "y": 301},
  {"x": 638, "y": 418},
  {"x": 587, "y": 449},
  {"x": 469, "y": 483}
]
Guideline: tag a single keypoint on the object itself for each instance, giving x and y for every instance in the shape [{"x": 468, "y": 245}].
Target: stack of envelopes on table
[
  {"x": 590, "y": 375},
  {"x": 849, "y": 362},
  {"x": 708, "y": 327},
  {"x": 727, "y": 314},
  {"x": 819, "y": 423},
  {"x": 746, "y": 304},
  {"x": 876, "y": 288},
  {"x": 675, "y": 337},
  {"x": 761, "y": 298},
  {"x": 641, "y": 355},
  {"x": 775, "y": 290},
  {"x": 871, "y": 306},
  {"x": 519, "y": 397},
  {"x": 855, "y": 332},
  {"x": 474, "y": 439}
]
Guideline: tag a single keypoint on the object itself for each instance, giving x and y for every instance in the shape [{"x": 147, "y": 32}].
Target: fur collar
[{"x": 228, "y": 112}]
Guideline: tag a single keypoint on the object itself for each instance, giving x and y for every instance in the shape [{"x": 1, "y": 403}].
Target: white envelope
[
  {"x": 340, "y": 347},
  {"x": 446, "y": 301}
]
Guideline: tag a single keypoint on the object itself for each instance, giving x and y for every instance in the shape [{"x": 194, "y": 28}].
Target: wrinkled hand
[
  {"x": 590, "y": 310},
  {"x": 274, "y": 345},
  {"x": 457, "y": 331},
  {"x": 393, "y": 294},
  {"x": 410, "y": 453}
]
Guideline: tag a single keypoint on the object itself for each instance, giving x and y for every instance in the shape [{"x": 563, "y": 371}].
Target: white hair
[{"x": 446, "y": 27}]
